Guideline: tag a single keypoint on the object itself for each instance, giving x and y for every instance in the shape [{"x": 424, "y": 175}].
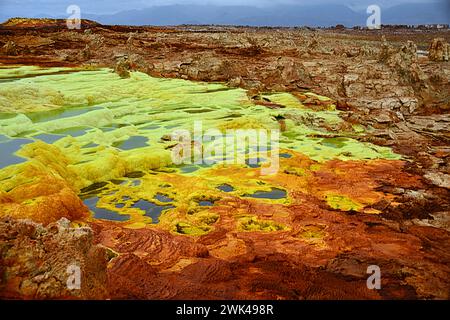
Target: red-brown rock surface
[
  {"x": 324, "y": 254},
  {"x": 34, "y": 261}
]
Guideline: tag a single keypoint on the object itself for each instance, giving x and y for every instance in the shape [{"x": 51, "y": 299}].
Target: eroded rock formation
[
  {"x": 36, "y": 262},
  {"x": 123, "y": 66},
  {"x": 439, "y": 50},
  {"x": 10, "y": 49}
]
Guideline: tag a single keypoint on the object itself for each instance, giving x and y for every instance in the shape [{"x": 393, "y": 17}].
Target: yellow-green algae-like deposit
[{"x": 107, "y": 140}]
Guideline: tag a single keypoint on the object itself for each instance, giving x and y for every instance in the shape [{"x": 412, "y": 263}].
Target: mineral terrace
[{"x": 86, "y": 176}]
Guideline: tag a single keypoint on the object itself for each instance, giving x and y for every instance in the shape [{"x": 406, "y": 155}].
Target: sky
[{"x": 30, "y": 8}]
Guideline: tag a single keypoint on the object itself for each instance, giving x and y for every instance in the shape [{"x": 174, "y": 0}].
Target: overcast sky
[
  {"x": 57, "y": 8},
  {"x": 32, "y": 8}
]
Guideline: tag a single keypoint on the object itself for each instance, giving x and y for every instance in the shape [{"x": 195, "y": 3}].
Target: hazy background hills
[
  {"x": 283, "y": 15},
  {"x": 255, "y": 13},
  {"x": 286, "y": 15}
]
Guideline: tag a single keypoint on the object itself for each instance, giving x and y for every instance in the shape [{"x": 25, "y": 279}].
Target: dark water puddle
[
  {"x": 205, "y": 203},
  {"x": 163, "y": 198},
  {"x": 133, "y": 142},
  {"x": 274, "y": 194},
  {"x": 216, "y": 90},
  {"x": 189, "y": 169},
  {"x": 74, "y": 132},
  {"x": 285, "y": 155},
  {"x": 43, "y": 116},
  {"x": 104, "y": 214},
  {"x": 48, "y": 138},
  {"x": 4, "y": 138},
  {"x": 90, "y": 145},
  {"x": 8, "y": 149},
  {"x": 168, "y": 169},
  {"x": 334, "y": 142},
  {"x": 135, "y": 174},
  {"x": 232, "y": 116},
  {"x": 84, "y": 161},
  {"x": 110, "y": 127},
  {"x": 225, "y": 188},
  {"x": 254, "y": 162},
  {"x": 194, "y": 111},
  {"x": 97, "y": 187},
  {"x": 151, "y": 209},
  {"x": 118, "y": 181},
  {"x": 136, "y": 183}
]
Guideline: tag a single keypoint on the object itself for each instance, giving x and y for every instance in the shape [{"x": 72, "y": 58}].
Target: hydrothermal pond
[{"x": 71, "y": 137}]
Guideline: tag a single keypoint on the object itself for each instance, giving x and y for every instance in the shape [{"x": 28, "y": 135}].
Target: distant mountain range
[
  {"x": 234, "y": 15},
  {"x": 281, "y": 15}
]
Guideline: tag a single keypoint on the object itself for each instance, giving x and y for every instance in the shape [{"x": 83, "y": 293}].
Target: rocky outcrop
[
  {"x": 37, "y": 262},
  {"x": 85, "y": 54},
  {"x": 10, "y": 49},
  {"x": 405, "y": 62},
  {"x": 439, "y": 50},
  {"x": 123, "y": 66},
  {"x": 205, "y": 66},
  {"x": 130, "y": 41},
  {"x": 438, "y": 178},
  {"x": 385, "y": 50}
]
